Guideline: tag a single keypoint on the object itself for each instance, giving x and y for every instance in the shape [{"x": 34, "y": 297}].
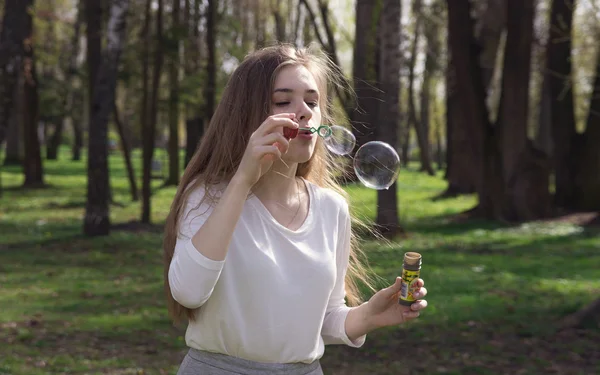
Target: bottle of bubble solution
[{"x": 411, "y": 269}]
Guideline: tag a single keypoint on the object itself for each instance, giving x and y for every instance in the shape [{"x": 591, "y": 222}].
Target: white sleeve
[
  {"x": 192, "y": 276},
  {"x": 334, "y": 325}
]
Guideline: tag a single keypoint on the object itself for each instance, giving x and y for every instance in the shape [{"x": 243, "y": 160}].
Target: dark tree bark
[
  {"x": 470, "y": 97},
  {"x": 461, "y": 178},
  {"x": 173, "y": 178},
  {"x": 126, "y": 153},
  {"x": 96, "y": 221},
  {"x": 77, "y": 123},
  {"x": 32, "y": 160},
  {"x": 543, "y": 138},
  {"x": 194, "y": 131},
  {"x": 421, "y": 129},
  {"x": 55, "y": 139},
  {"x": 405, "y": 138},
  {"x": 260, "y": 37},
  {"x": 560, "y": 74},
  {"x": 11, "y": 55},
  {"x": 364, "y": 115},
  {"x": 387, "y": 200},
  {"x": 14, "y": 140},
  {"x": 439, "y": 148},
  {"x": 280, "y": 20},
  {"x": 587, "y": 154},
  {"x": 150, "y": 133},
  {"x": 93, "y": 15},
  {"x": 211, "y": 65},
  {"x": 525, "y": 171},
  {"x": 73, "y": 110},
  {"x": 491, "y": 25},
  {"x": 461, "y": 174},
  {"x": 147, "y": 138},
  {"x": 431, "y": 33}
]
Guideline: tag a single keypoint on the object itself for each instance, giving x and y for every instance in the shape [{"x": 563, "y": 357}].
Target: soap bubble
[
  {"x": 376, "y": 165},
  {"x": 341, "y": 141}
]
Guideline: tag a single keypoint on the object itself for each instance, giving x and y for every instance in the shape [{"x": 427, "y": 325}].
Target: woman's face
[{"x": 296, "y": 91}]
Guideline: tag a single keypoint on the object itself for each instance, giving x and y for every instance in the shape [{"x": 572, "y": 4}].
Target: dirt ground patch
[{"x": 469, "y": 349}]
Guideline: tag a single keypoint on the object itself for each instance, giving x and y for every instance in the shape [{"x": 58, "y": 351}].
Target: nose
[{"x": 304, "y": 113}]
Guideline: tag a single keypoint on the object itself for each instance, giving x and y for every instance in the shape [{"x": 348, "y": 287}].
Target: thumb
[{"x": 395, "y": 287}]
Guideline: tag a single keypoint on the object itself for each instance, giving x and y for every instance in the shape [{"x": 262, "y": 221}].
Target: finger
[
  {"x": 410, "y": 314},
  {"x": 418, "y": 305},
  {"x": 420, "y": 292},
  {"x": 419, "y": 283},
  {"x": 277, "y": 121},
  {"x": 275, "y": 138}
]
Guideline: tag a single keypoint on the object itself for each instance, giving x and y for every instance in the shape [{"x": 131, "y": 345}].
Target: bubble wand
[
  {"x": 376, "y": 163},
  {"x": 323, "y": 131}
]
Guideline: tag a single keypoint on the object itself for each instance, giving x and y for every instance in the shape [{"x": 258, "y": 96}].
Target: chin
[{"x": 298, "y": 157}]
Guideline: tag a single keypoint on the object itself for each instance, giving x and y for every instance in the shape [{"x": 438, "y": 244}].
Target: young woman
[{"x": 260, "y": 257}]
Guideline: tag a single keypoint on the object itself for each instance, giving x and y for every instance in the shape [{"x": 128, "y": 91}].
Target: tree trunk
[
  {"x": 14, "y": 140},
  {"x": 72, "y": 110},
  {"x": 461, "y": 178},
  {"x": 11, "y": 55},
  {"x": 259, "y": 24},
  {"x": 150, "y": 133},
  {"x": 543, "y": 140},
  {"x": 387, "y": 200},
  {"x": 126, "y": 153},
  {"x": 93, "y": 9},
  {"x": 579, "y": 318},
  {"x": 470, "y": 91},
  {"x": 587, "y": 180},
  {"x": 461, "y": 174},
  {"x": 560, "y": 74},
  {"x": 420, "y": 127},
  {"x": 279, "y": 20},
  {"x": 404, "y": 141},
  {"x": 173, "y": 178},
  {"x": 32, "y": 161},
  {"x": 330, "y": 47},
  {"x": 53, "y": 143},
  {"x": 365, "y": 78},
  {"x": 194, "y": 131},
  {"x": 147, "y": 138},
  {"x": 525, "y": 171},
  {"x": 489, "y": 33},
  {"x": 96, "y": 221},
  {"x": 422, "y": 124},
  {"x": 211, "y": 65},
  {"x": 439, "y": 147},
  {"x": 77, "y": 123}
]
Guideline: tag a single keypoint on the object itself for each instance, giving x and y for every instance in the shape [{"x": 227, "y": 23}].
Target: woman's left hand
[{"x": 384, "y": 309}]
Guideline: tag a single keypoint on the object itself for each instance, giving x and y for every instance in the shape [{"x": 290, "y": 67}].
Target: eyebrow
[{"x": 309, "y": 91}]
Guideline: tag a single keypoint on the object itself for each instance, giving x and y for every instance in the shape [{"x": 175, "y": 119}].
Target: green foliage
[{"x": 79, "y": 305}]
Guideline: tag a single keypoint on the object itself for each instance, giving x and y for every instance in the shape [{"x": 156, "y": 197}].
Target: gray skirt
[{"x": 198, "y": 362}]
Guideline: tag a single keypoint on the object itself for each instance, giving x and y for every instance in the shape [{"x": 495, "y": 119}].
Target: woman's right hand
[{"x": 266, "y": 144}]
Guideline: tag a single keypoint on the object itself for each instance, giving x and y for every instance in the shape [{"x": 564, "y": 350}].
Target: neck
[{"x": 278, "y": 184}]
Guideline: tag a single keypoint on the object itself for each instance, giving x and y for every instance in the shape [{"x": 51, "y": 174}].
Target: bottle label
[{"x": 409, "y": 280}]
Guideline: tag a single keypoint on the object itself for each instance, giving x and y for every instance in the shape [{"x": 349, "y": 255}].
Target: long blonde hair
[{"x": 244, "y": 105}]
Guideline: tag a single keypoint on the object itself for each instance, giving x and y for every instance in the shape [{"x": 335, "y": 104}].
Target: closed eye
[
  {"x": 311, "y": 104},
  {"x": 281, "y": 104}
]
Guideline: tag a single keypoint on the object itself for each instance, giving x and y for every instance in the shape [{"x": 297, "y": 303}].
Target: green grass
[{"x": 75, "y": 305}]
